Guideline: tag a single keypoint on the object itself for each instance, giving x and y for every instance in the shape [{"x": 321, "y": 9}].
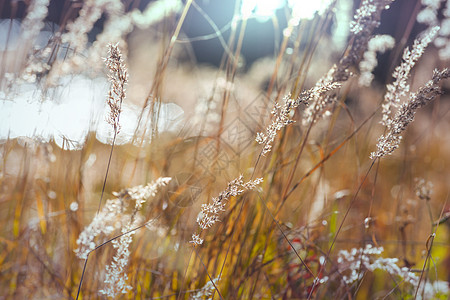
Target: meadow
[{"x": 225, "y": 149}]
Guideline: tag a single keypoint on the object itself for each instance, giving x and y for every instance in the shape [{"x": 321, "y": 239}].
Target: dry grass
[{"x": 277, "y": 239}]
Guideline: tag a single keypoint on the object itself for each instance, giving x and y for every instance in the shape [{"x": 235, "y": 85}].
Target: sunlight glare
[
  {"x": 262, "y": 10},
  {"x": 306, "y": 9}
]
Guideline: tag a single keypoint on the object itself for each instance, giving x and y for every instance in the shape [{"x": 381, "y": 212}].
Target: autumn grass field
[{"x": 269, "y": 179}]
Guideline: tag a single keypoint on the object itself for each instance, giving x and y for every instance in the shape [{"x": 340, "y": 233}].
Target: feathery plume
[
  {"x": 90, "y": 12},
  {"x": 26, "y": 61},
  {"x": 379, "y": 43},
  {"x": 117, "y": 25},
  {"x": 390, "y": 141},
  {"x": 400, "y": 86},
  {"x": 317, "y": 97},
  {"x": 118, "y": 77},
  {"x": 103, "y": 224},
  {"x": 363, "y": 14},
  {"x": 113, "y": 216},
  {"x": 356, "y": 262},
  {"x": 209, "y": 214},
  {"x": 34, "y": 21},
  {"x": 281, "y": 118},
  {"x": 282, "y": 114},
  {"x": 366, "y": 19},
  {"x": 428, "y": 15},
  {"x": 423, "y": 189},
  {"x": 116, "y": 278},
  {"x": 206, "y": 291},
  {"x": 442, "y": 41}
]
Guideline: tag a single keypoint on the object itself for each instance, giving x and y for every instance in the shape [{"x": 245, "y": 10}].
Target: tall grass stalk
[{"x": 286, "y": 177}]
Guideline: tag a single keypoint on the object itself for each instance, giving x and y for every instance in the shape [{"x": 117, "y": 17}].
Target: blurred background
[{"x": 203, "y": 78}]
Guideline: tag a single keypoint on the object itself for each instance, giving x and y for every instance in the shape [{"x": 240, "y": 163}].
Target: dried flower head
[
  {"x": 400, "y": 86},
  {"x": 282, "y": 114},
  {"x": 115, "y": 277},
  {"x": 428, "y": 15},
  {"x": 363, "y": 14},
  {"x": 442, "y": 42},
  {"x": 103, "y": 224},
  {"x": 318, "y": 98},
  {"x": 118, "y": 77},
  {"x": 141, "y": 193},
  {"x": 91, "y": 12},
  {"x": 366, "y": 19},
  {"x": 356, "y": 262},
  {"x": 112, "y": 217},
  {"x": 423, "y": 189},
  {"x": 210, "y": 212},
  {"x": 379, "y": 43},
  {"x": 206, "y": 291},
  {"x": 281, "y": 118},
  {"x": 117, "y": 25},
  {"x": 390, "y": 141}
]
